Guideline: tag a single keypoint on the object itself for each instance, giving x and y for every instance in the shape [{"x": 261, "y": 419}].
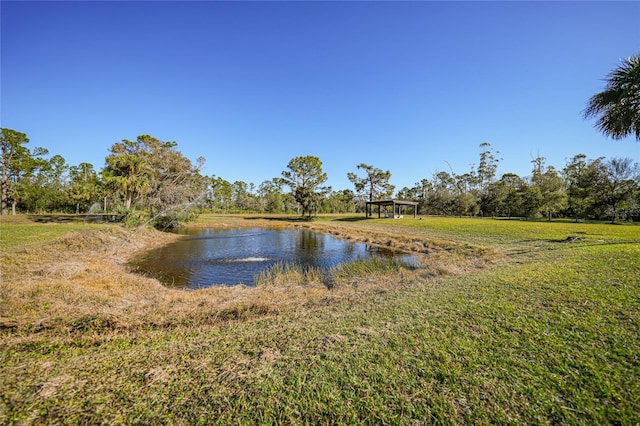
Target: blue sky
[{"x": 410, "y": 87}]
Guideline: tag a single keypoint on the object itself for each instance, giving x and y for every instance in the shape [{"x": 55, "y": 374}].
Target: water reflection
[{"x": 209, "y": 257}]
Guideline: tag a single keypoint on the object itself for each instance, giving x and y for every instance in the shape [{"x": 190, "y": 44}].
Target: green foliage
[
  {"x": 152, "y": 174},
  {"x": 85, "y": 187},
  {"x": 271, "y": 198},
  {"x": 617, "y": 107},
  {"x": 174, "y": 218},
  {"x": 487, "y": 168},
  {"x": 18, "y": 164},
  {"x": 549, "y": 186},
  {"x": 375, "y": 185},
  {"x": 13, "y": 154},
  {"x": 304, "y": 176},
  {"x": 601, "y": 189},
  {"x": 132, "y": 218},
  {"x": 587, "y": 189},
  {"x": 129, "y": 174},
  {"x": 46, "y": 188},
  {"x": 220, "y": 195}
]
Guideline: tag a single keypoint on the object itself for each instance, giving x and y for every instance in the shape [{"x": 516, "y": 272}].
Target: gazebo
[{"x": 397, "y": 205}]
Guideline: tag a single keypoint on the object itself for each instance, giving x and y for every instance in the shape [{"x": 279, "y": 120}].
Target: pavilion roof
[{"x": 393, "y": 203}]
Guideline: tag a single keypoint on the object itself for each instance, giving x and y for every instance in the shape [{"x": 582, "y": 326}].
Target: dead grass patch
[
  {"x": 79, "y": 283},
  {"x": 61, "y": 269},
  {"x": 406, "y": 240},
  {"x": 50, "y": 387}
]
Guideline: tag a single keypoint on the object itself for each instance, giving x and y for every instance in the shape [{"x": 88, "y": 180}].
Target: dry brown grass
[
  {"x": 82, "y": 273},
  {"x": 80, "y": 281},
  {"x": 440, "y": 257}
]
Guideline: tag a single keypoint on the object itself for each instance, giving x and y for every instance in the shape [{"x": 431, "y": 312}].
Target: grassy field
[{"x": 506, "y": 322}]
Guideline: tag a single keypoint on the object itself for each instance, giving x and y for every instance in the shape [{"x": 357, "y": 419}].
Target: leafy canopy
[
  {"x": 304, "y": 176},
  {"x": 375, "y": 183}
]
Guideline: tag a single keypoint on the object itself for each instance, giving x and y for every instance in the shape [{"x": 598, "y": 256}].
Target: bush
[
  {"x": 131, "y": 218},
  {"x": 163, "y": 222}
]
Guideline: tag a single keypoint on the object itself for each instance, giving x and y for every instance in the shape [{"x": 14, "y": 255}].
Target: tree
[
  {"x": 422, "y": 191},
  {"x": 617, "y": 187},
  {"x": 513, "y": 186},
  {"x": 271, "y": 197},
  {"x": 304, "y": 177},
  {"x": 602, "y": 189},
  {"x": 617, "y": 107},
  {"x": 45, "y": 187},
  {"x": 375, "y": 184},
  {"x": 487, "y": 167},
  {"x": 128, "y": 174},
  {"x": 466, "y": 199},
  {"x": 17, "y": 161},
  {"x": 56, "y": 183},
  {"x": 220, "y": 193},
  {"x": 442, "y": 197},
  {"x": 407, "y": 193},
  {"x": 84, "y": 185},
  {"x": 158, "y": 177},
  {"x": 243, "y": 195},
  {"x": 343, "y": 201},
  {"x": 550, "y": 187},
  {"x": 580, "y": 176}
]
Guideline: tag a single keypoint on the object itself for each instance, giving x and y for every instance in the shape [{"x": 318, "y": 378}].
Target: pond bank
[{"x": 82, "y": 278}]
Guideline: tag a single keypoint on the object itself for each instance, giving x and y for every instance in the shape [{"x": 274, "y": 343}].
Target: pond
[{"x": 208, "y": 257}]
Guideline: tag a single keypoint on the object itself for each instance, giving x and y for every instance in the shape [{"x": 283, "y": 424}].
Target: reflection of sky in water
[{"x": 208, "y": 257}]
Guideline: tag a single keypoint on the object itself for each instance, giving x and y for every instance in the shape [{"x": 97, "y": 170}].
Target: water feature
[{"x": 206, "y": 257}]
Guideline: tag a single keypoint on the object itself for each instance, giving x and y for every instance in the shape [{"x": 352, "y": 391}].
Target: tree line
[
  {"x": 151, "y": 180},
  {"x": 599, "y": 189}
]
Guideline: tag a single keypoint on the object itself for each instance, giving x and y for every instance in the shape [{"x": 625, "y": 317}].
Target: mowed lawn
[{"x": 547, "y": 330}]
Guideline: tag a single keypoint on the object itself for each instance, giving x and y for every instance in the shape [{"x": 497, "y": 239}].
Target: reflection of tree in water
[
  {"x": 310, "y": 246},
  {"x": 349, "y": 250},
  {"x": 381, "y": 251}
]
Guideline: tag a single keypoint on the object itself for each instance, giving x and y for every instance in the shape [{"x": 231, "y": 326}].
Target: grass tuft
[
  {"x": 352, "y": 272},
  {"x": 287, "y": 274}
]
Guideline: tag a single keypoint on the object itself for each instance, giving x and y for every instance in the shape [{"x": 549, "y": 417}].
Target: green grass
[
  {"x": 549, "y": 336},
  {"x": 20, "y": 231},
  {"x": 498, "y": 231}
]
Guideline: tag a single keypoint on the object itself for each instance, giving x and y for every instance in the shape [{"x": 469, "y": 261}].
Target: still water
[{"x": 207, "y": 257}]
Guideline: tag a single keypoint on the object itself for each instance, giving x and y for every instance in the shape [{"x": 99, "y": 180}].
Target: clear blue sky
[{"x": 403, "y": 86}]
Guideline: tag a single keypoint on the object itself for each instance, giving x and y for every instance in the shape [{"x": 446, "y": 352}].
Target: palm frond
[{"x": 617, "y": 108}]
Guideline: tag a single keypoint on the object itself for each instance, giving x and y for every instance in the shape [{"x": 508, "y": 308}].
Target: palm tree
[
  {"x": 617, "y": 108},
  {"x": 130, "y": 174}
]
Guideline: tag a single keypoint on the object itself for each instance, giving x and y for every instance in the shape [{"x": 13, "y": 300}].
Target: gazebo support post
[{"x": 396, "y": 206}]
